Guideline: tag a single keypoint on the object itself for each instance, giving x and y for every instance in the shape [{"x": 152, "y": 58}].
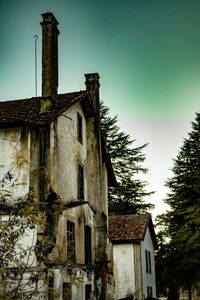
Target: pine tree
[
  {"x": 129, "y": 193},
  {"x": 183, "y": 219}
]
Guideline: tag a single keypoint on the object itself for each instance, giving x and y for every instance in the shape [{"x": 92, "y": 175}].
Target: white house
[
  {"x": 51, "y": 147},
  {"x": 133, "y": 239}
]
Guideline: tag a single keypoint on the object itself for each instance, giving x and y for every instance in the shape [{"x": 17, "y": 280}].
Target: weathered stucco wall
[
  {"x": 105, "y": 189},
  {"x": 66, "y": 153},
  {"x": 77, "y": 274},
  {"x": 123, "y": 256},
  {"x": 15, "y": 159},
  {"x": 149, "y": 280},
  {"x": 95, "y": 178},
  {"x": 81, "y": 216},
  {"x": 26, "y": 243},
  {"x": 35, "y": 163}
]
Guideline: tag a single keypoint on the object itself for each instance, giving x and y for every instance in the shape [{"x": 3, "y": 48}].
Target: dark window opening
[
  {"x": 51, "y": 291},
  {"x": 80, "y": 182},
  {"x": 79, "y": 128},
  {"x": 149, "y": 291},
  {"x": 88, "y": 246},
  {"x": 148, "y": 261},
  {"x": 67, "y": 291},
  {"x": 88, "y": 291},
  {"x": 71, "y": 242}
]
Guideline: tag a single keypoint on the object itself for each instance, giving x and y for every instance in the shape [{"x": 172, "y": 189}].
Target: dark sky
[{"x": 147, "y": 53}]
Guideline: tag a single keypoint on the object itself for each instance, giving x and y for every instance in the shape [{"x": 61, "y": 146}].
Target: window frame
[
  {"x": 148, "y": 261},
  {"x": 67, "y": 291},
  {"x": 149, "y": 291},
  {"x": 51, "y": 289},
  {"x": 88, "y": 291},
  {"x": 79, "y": 128},
  {"x": 88, "y": 244},
  {"x": 71, "y": 242}
]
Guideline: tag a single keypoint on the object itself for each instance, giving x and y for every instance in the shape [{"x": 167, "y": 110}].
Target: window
[
  {"x": 79, "y": 128},
  {"x": 88, "y": 246},
  {"x": 148, "y": 261},
  {"x": 80, "y": 182},
  {"x": 51, "y": 291},
  {"x": 71, "y": 242},
  {"x": 67, "y": 291},
  {"x": 149, "y": 291},
  {"x": 88, "y": 291}
]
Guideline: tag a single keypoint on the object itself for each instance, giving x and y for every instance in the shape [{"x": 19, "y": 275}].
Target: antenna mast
[{"x": 36, "y": 38}]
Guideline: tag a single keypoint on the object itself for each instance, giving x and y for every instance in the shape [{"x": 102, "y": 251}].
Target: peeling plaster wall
[
  {"x": 78, "y": 279},
  {"x": 35, "y": 172},
  {"x": 94, "y": 169},
  {"x": 138, "y": 271},
  {"x": 110, "y": 281},
  {"x": 148, "y": 279},
  {"x": 123, "y": 256},
  {"x": 77, "y": 274},
  {"x": 27, "y": 242},
  {"x": 80, "y": 215},
  {"x": 105, "y": 189},
  {"x": 68, "y": 151},
  {"x": 97, "y": 189},
  {"x": 15, "y": 158}
]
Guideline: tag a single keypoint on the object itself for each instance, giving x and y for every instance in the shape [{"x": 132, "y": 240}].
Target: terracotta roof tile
[
  {"x": 28, "y": 110},
  {"x": 128, "y": 227}
]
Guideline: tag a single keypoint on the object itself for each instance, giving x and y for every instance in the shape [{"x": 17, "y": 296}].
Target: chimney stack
[
  {"x": 92, "y": 87},
  {"x": 50, "y": 34}
]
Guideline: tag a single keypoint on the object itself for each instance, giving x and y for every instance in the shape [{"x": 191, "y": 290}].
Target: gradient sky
[{"x": 147, "y": 53}]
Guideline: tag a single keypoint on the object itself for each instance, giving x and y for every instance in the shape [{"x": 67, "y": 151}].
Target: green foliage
[
  {"x": 182, "y": 222},
  {"x": 20, "y": 219},
  {"x": 128, "y": 196}
]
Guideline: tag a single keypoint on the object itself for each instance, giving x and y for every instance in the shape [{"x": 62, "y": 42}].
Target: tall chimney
[
  {"x": 50, "y": 34},
  {"x": 92, "y": 87}
]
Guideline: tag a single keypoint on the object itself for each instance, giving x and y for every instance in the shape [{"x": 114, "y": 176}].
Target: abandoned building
[
  {"x": 134, "y": 241},
  {"x": 52, "y": 147}
]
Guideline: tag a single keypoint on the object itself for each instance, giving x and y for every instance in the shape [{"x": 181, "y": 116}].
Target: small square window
[
  {"x": 79, "y": 128},
  {"x": 80, "y": 183}
]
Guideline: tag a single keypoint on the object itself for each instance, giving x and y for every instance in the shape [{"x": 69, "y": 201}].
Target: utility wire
[{"x": 36, "y": 38}]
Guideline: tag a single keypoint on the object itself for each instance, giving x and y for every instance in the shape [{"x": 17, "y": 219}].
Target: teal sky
[{"x": 147, "y": 53}]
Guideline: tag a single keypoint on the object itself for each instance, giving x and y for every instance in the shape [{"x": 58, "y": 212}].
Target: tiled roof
[
  {"x": 28, "y": 110},
  {"x": 128, "y": 227}
]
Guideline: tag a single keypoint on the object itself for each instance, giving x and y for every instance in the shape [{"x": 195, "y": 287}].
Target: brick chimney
[
  {"x": 92, "y": 87},
  {"x": 50, "y": 34}
]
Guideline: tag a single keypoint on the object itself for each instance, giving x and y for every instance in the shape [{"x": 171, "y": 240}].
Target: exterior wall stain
[
  {"x": 15, "y": 158},
  {"x": 45, "y": 161},
  {"x": 44, "y": 158}
]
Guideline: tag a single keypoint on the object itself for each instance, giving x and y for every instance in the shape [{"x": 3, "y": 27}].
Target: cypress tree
[
  {"x": 183, "y": 220},
  {"x": 129, "y": 194}
]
